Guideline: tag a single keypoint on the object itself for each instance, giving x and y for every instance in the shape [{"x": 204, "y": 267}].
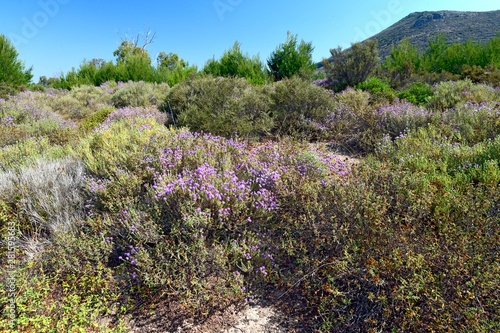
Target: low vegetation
[{"x": 205, "y": 194}]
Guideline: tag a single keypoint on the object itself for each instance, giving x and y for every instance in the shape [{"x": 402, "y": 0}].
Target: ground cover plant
[{"x": 132, "y": 197}]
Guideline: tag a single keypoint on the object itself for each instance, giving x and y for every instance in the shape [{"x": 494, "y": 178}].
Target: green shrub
[
  {"x": 26, "y": 151},
  {"x": 418, "y": 93},
  {"x": 95, "y": 119},
  {"x": 380, "y": 91},
  {"x": 139, "y": 94},
  {"x": 221, "y": 106}
]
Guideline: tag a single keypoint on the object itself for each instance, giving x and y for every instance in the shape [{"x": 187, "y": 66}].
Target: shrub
[
  {"x": 68, "y": 105},
  {"x": 221, "y": 106},
  {"x": 139, "y": 94},
  {"x": 295, "y": 101},
  {"x": 354, "y": 100},
  {"x": 418, "y": 93},
  {"x": 95, "y": 119},
  {"x": 50, "y": 199},
  {"x": 380, "y": 91},
  {"x": 449, "y": 94},
  {"x": 25, "y": 151},
  {"x": 132, "y": 114},
  {"x": 26, "y": 115},
  {"x": 352, "y": 66},
  {"x": 477, "y": 74},
  {"x": 6, "y": 91}
]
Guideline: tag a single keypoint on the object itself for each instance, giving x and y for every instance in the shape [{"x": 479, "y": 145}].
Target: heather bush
[
  {"x": 221, "y": 106},
  {"x": 25, "y": 151},
  {"x": 449, "y": 94},
  {"x": 139, "y": 94},
  {"x": 27, "y": 116}
]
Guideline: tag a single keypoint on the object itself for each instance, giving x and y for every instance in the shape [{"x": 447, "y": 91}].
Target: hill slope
[{"x": 420, "y": 26}]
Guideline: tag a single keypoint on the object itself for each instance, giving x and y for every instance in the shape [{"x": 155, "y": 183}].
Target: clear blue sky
[{"x": 55, "y": 35}]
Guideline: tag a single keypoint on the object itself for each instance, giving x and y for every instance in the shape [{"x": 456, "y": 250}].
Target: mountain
[{"x": 420, "y": 26}]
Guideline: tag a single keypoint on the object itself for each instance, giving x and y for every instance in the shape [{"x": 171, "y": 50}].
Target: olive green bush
[
  {"x": 449, "y": 94},
  {"x": 295, "y": 100},
  {"x": 95, "y": 119},
  {"x": 139, "y": 94},
  {"x": 221, "y": 106}
]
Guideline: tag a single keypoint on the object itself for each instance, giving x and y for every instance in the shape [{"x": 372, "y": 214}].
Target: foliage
[
  {"x": 130, "y": 216},
  {"x": 417, "y": 93},
  {"x": 451, "y": 93},
  {"x": 352, "y": 66},
  {"x": 291, "y": 58},
  {"x": 379, "y": 90},
  {"x": 139, "y": 94},
  {"x": 95, "y": 119},
  {"x": 221, "y": 106},
  {"x": 295, "y": 103},
  {"x": 6, "y": 91},
  {"x": 12, "y": 70},
  {"x": 403, "y": 61},
  {"x": 170, "y": 61},
  {"x": 233, "y": 63}
]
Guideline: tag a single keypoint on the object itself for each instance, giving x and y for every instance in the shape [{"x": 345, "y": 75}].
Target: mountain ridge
[{"x": 419, "y": 27}]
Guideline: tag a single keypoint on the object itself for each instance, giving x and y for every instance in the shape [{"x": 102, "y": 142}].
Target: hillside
[{"x": 420, "y": 26}]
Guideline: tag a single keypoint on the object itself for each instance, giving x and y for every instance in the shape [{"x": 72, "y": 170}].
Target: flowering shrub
[
  {"x": 450, "y": 94},
  {"x": 25, "y": 116},
  {"x": 133, "y": 214}
]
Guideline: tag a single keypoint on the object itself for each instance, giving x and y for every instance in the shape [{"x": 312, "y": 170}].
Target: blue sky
[{"x": 55, "y": 35}]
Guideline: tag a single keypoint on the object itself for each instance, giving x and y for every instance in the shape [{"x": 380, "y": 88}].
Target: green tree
[
  {"x": 291, "y": 58},
  {"x": 12, "y": 70},
  {"x": 352, "y": 66},
  {"x": 403, "y": 60},
  {"x": 127, "y": 49},
  {"x": 170, "y": 61},
  {"x": 233, "y": 63}
]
